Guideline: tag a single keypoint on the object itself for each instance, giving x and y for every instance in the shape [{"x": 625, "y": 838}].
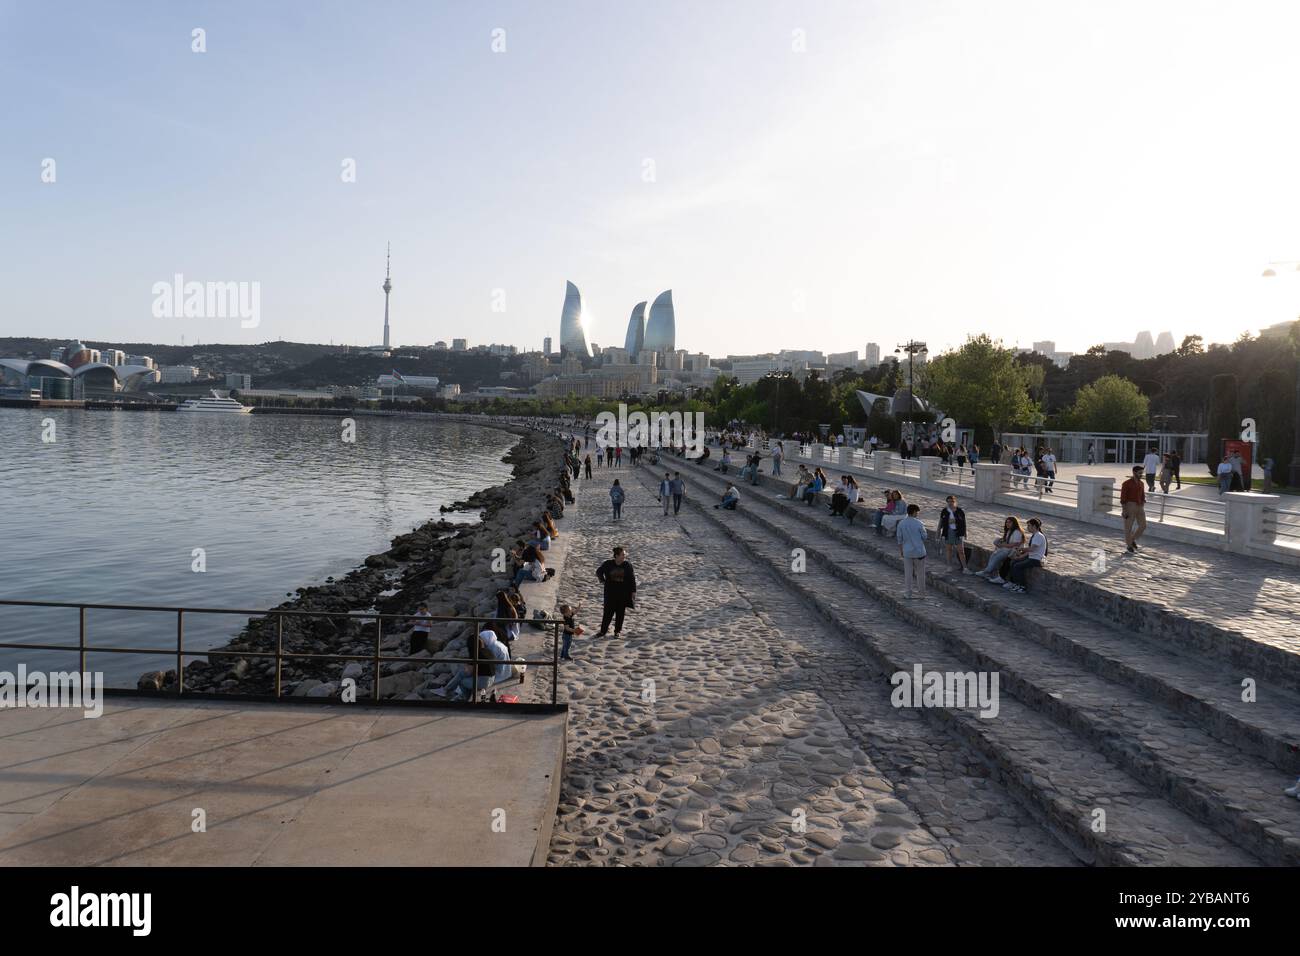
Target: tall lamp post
[
  {"x": 1293, "y": 472},
  {"x": 912, "y": 348},
  {"x": 777, "y": 379}
]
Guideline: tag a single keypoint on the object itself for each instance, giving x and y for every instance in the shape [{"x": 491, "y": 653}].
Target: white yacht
[{"x": 222, "y": 404}]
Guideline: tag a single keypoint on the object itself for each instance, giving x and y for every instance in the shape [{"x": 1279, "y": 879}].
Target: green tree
[
  {"x": 1277, "y": 421},
  {"x": 1224, "y": 417},
  {"x": 1110, "y": 404},
  {"x": 1192, "y": 345},
  {"x": 982, "y": 384}
]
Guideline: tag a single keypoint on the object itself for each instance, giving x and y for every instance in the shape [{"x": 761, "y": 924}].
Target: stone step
[
  {"x": 1244, "y": 640},
  {"x": 1141, "y": 828},
  {"x": 1192, "y": 683},
  {"x": 1215, "y": 781}
]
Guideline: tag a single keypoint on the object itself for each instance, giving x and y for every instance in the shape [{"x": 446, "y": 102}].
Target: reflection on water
[{"x": 113, "y": 511}]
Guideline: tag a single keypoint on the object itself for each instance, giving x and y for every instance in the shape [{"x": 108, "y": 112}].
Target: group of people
[{"x": 1040, "y": 466}]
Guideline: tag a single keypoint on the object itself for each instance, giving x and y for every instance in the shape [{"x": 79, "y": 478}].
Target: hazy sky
[{"x": 812, "y": 174}]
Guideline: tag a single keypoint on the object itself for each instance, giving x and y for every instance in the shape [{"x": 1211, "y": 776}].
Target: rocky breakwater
[{"x": 446, "y": 563}]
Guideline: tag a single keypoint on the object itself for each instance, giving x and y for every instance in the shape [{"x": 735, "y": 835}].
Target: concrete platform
[{"x": 280, "y": 784}]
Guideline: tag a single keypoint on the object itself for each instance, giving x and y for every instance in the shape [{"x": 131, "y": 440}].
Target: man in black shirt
[{"x": 620, "y": 591}]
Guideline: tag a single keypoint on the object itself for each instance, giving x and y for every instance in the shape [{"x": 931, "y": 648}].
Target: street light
[
  {"x": 912, "y": 348},
  {"x": 778, "y": 378},
  {"x": 1293, "y": 476}
]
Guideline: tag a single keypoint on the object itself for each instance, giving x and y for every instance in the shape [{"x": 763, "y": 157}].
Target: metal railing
[
  {"x": 1164, "y": 508},
  {"x": 1282, "y": 526},
  {"x": 962, "y": 476},
  {"x": 908, "y": 467},
  {"x": 1038, "y": 487},
  {"x": 376, "y": 658}
]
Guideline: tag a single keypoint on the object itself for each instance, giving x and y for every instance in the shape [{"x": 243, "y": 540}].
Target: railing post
[
  {"x": 555, "y": 666},
  {"x": 379, "y": 640},
  {"x": 279, "y": 651},
  {"x": 180, "y": 652},
  {"x": 81, "y": 637},
  {"x": 1093, "y": 497},
  {"x": 1244, "y": 519},
  {"x": 880, "y": 462},
  {"x": 473, "y": 644},
  {"x": 928, "y": 464},
  {"x": 989, "y": 480}
]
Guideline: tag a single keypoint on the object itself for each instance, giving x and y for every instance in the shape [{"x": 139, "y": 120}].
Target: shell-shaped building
[
  {"x": 635, "y": 340},
  {"x": 661, "y": 329},
  {"x": 572, "y": 337}
]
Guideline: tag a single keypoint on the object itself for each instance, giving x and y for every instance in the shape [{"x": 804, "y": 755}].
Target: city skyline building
[
  {"x": 635, "y": 339},
  {"x": 573, "y": 338},
  {"x": 388, "y": 287},
  {"x": 661, "y": 329}
]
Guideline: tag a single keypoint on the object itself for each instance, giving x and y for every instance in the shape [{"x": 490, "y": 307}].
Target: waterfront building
[
  {"x": 635, "y": 331},
  {"x": 142, "y": 360},
  {"x": 573, "y": 336},
  {"x": 177, "y": 374},
  {"x": 389, "y": 380},
  {"x": 842, "y": 359},
  {"x": 615, "y": 356},
  {"x": 661, "y": 328},
  {"x": 239, "y": 380}
]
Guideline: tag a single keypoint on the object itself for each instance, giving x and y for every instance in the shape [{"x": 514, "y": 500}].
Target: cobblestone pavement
[
  {"x": 729, "y": 725},
  {"x": 1256, "y": 598}
]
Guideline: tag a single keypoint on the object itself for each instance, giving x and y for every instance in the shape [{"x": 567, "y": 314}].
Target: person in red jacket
[{"x": 1132, "y": 504}]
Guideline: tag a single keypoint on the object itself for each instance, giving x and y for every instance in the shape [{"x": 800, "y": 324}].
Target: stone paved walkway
[{"x": 730, "y": 725}]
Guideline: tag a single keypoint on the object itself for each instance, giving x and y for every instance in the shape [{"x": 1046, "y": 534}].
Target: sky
[{"x": 803, "y": 175}]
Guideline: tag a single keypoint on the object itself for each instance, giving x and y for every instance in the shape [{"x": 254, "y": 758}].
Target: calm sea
[{"x": 113, "y": 510}]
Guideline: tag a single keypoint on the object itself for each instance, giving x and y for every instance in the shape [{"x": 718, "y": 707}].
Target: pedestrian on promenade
[
  {"x": 1049, "y": 468},
  {"x": 1176, "y": 463},
  {"x": 1013, "y": 537},
  {"x": 616, "y": 496},
  {"x": 420, "y": 630},
  {"x": 677, "y": 487},
  {"x": 1224, "y": 474},
  {"x": 1029, "y": 557},
  {"x": 1092, "y": 453},
  {"x": 618, "y": 456},
  {"x": 961, "y": 457},
  {"x": 1132, "y": 505},
  {"x": 1151, "y": 465},
  {"x": 1238, "y": 471},
  {"x": 1267, "y": 467},
  {"x": 619, "y": 580},
  {"x": 974, "y": 457},
  {"x": 952, "y": 531},
  {"x": 587, "y": 464},
  {"x": 911, "y": 547},
  {"x": 665, "y": 491},
  {"x": 572, "y": 628},
  {"x": 600, "y": 457},
  {"x": 778, "y": 452},
  {"x": 1166, "y": 474},
  {"x": 995, "y": 453}
]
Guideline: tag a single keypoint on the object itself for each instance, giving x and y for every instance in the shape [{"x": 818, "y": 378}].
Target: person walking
[
  {"x": 587, "y": 464},
  {"x": 952, "y": 532},
  {"x": 1176, "y": 465},
  {"x": 600, "y": 456},
  {"x": 778, "y": 452},
  {"x": 1132, "y": 504},
  {"x": 1151, "y": 465},
  {"x": 619, "y": 581},
  {"x": 995, "y": 453},
  {"x": 911, "y": 546},
  {"x": 1092, "y": 453},
  {"x": 616, "y": 496},
  {"x": 1166, "y": 475},
  {"x": 1049, "y": 468},
  {"x": 677, "y": 488},
  {"x": 665, "y": 491}
]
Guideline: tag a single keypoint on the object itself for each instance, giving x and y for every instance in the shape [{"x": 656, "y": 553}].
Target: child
[{"x": 571, "y": 629}]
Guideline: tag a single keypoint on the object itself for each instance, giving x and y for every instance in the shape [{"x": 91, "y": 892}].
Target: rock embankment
[{"x": 446, "y": 563}]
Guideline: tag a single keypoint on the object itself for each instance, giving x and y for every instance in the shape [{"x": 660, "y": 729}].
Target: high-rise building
[
  {"x": 635, "y": 331},
  {"x": 239, "y": 380},
  {"x": 143, "y": 360},
  {"x": 872, "y": 355},
  {"x": 1047, "y": 347},
  {"x": 843, "y": 359},
  {"x": 573, "y": 337},
  {"x": 1164, "y": 343},
  {"x": 546, "y": 345},
  {"x": 459, "y": 345},
  {"x": 661, "y": 329},
  {"x": 388, "y": 287},
  {"x": 615, "y": 356}
]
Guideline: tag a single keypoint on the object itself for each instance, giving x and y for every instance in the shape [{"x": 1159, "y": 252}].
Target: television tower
[{"x": 388, "y": 287}]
